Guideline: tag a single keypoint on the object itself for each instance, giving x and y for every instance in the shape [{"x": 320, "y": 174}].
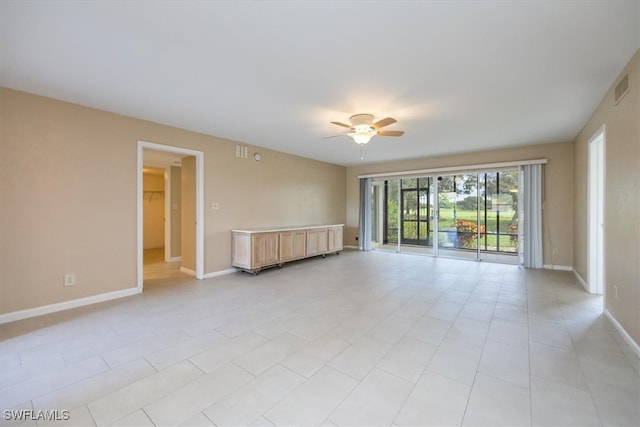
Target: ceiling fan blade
[
  {"x": 333, "y": 136},
  {"x": 342, "y": 124},
  {"x": 390, "y": 132},
  {"x": 384, "y": 122}
]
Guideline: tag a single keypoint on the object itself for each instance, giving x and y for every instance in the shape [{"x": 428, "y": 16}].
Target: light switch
[{"x": 215, "y": 206}]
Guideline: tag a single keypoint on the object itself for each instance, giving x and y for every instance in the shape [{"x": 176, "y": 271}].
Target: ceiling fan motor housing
[{"x": 361, "y": 120}]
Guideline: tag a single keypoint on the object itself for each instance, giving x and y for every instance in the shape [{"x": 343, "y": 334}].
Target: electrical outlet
[
  {"x": 69, "y": 279},
  {"x": 615, "y": 292},
  {"x": 555, "y": 251}
]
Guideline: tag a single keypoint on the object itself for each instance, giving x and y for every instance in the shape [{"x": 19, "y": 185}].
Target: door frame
[
  {"x": 199, "y": 155},
  {"x": 595, "y": 211}
]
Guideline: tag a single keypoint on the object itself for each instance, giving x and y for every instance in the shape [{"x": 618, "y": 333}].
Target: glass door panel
[
  {"x": 409, "y": 200},
  {"x": 472, "y": 216},
  {"x": 446, "y": 213},
  {"x": 499, "y": 216},
  {"x": 391, "y": 221},
  {"x": 458, "y": 226},
  {"x": 425, "y": 228},
  {"x": 415, "y": 219}
]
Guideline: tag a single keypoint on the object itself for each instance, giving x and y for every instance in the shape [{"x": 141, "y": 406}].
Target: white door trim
[
  {"x": 167, "y": 214},
  {"x": 199, "y": 155},
  {"x": 595, "y": 211}
]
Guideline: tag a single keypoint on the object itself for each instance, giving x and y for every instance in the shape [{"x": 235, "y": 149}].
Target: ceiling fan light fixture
[
  {"x": 362, "y": 136},
  {"x": 363, "y": 128}
]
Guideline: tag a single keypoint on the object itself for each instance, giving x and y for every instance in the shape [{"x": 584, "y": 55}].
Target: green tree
[
  {"x": 444, "y": 202},
  {"x": 392, "y": 210},
  {"x": 470, "y": 203}
]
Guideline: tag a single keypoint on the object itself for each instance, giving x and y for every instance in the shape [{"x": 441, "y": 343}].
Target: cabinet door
[
  {"x": 299, "y": 244},
  {"x": 265, "y": 249},
  {"x": 271, "y": 248},
  {"x": 292, "y": 245},
  {"x": 312, "y": 242},
  {"x": 335, "y": 239},
  {"x": 316, "y": 241},
  {"x": 322, "y": 240},
  {"x": 258, "y": 249}
]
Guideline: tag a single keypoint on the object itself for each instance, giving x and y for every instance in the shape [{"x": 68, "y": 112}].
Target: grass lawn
[
  {"x": 447, "y": 221},
  {"x": 489, "y": 241}
]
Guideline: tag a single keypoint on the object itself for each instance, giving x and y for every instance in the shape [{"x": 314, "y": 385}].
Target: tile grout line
[
  {"x": 466, "y": 407},
  {"x": 431, "y": 358},
  {"x": 573, "y": 347}
]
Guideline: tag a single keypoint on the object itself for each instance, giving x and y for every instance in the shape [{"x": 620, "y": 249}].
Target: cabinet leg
[{"x": 324, "y": 255}]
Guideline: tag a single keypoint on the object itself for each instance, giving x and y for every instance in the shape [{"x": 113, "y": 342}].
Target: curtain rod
[{"x": 455, "y": 168}]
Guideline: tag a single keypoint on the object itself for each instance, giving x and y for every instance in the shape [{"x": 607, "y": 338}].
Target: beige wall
[
  {"x": 557, "y": 198},
  {"x": 69, "y": 203},
  {"x": 153, "y": 211},
  {"x": 622, "y": 200}
]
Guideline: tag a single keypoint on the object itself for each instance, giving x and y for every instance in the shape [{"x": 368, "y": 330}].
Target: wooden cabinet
[
  {"x": 265, "y": 249},
  {"x": 334, "y": 241},
  {"x": 255, "y": 249},
  {"x": 292, "y": 245},
  {"x": 316, "y": 241}
]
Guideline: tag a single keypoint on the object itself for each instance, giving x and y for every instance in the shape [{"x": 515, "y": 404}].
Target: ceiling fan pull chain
[{"x": 361, "y": 151}]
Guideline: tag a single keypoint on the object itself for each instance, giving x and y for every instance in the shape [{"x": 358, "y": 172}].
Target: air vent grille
[
  {"x": 242, "y": 152},
  {"x": 622, "y": 88}
]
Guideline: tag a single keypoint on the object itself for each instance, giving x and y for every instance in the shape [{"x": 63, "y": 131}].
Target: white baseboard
[
  {"x": 66, "y": 305},
  {"x": 557, "y": 267},
  {"x": 632, "y": 344},
  {"x": 188, "y": 271},
  {"x": 174, "y": 259},
  {"x": 581, "y": 280},
  {"x": 350, "y": 247},
  {"x": 220, "y": 273}
]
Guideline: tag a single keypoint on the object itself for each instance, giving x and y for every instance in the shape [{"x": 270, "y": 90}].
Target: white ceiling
[{"x": 457, "y": 75}]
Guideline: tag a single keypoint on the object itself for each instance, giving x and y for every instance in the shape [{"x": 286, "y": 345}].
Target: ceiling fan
[{"x": 363, "y": 128}]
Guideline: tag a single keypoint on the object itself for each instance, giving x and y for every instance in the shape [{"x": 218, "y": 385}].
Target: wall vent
[
  {"x": 242, "y": 152},
  {"x": 622, "y": 88}
]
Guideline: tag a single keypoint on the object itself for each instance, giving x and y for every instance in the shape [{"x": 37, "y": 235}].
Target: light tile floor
[{"x": 359, "y": 339}]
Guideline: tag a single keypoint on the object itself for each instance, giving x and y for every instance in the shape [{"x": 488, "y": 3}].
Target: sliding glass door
[
  {"x": 416, "y": 216},
  {"x": 458, "y": 222},
  {"x": 467, "y": 215},
  {"x": 499, "y": 215},
  {"x": 391, "y": 229}
]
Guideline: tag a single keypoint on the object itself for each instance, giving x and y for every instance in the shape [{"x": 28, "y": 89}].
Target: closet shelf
[{"x": 150, "y": 194}]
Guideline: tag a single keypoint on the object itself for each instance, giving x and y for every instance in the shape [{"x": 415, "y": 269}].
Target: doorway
[
  {"x": 191, "y": 224},
  {"x": 466, "y": 215},
  {"x": 595, "y": 215},
  {"x": 155, "y": 198}
]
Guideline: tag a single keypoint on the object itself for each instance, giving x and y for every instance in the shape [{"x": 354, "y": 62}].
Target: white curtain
[
  {"x": 531, "y": 202},
  {"x": 364, "y": 232}
]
